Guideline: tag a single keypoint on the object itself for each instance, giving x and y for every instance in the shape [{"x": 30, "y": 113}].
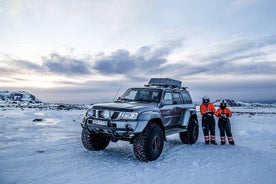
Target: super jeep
[{"x": 144, "y": 117}]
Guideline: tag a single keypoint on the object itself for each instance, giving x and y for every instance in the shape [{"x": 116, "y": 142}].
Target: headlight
[
  {"x": 89, "y": 113},
  {"x": 129, "y": 115},
  {"x": 106, "y": 114}
]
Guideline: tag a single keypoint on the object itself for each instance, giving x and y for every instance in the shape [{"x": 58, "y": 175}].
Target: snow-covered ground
[{"x": 50, "y": 151}]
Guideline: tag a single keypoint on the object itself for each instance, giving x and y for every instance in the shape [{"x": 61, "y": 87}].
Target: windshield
[{"x": 142, "y": 95}]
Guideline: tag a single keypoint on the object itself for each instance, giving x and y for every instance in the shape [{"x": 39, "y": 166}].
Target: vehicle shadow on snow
[
  {"x": 119, "y": 157},
  {"x": 115, "y": 152},
  {"x": 123, "y": 151}
]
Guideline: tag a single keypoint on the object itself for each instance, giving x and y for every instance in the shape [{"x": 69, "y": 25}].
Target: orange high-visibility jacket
[
  {"x": 209, "y": 107},
  {"x": 223, "y": 111}
]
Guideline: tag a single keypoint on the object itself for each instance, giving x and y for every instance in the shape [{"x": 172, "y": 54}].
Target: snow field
[{"x": 50, "y": 151}]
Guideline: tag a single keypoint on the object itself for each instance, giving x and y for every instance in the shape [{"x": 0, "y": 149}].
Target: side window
[
  {"x": 156, "y": 96},
  {"x": 187, "y": 98},
  {"x": 177, "y": 98},
  {"x": 168, "y": 96}
]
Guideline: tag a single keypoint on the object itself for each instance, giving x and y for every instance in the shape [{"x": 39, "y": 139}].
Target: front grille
[
  {"x": 99, "y": 114},
  {"x": 115, "y": 115}
]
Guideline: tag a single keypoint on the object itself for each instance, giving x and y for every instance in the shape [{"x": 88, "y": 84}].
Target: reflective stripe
[
  {"x": 222, "y": 138},
  {"x": 206, "y": 138},
  {"x": 213, "y": 138},
  {"x": 230, "y": 139}
]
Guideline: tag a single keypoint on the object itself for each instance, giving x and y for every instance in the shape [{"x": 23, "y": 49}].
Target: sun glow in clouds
[{"x": 36, "y": 81}]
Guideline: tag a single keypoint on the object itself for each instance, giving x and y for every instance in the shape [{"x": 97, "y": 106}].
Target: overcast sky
[{"x": 84, "y": 51}]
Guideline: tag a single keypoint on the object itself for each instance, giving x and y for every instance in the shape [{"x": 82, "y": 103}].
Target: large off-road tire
[
  {"x": 148, "y": 145},
  {"x": 94, "y": 141},
  {"x": 191, "y": 135}
]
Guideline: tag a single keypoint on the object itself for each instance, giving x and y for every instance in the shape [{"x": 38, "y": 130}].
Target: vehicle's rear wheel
[
  {"x": 94, "y": 141},
  {"x": 191, "y": 135},
  {"x": 148, "y": 145}
]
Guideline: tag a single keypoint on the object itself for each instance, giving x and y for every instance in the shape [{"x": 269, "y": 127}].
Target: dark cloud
[
  {"x": 117, "y": 63},
  {"x": 65, "y": 65},
  {"x": 238, "y": 57},
  {"x": 21, "y": 64},
  {"x": 18, "y": 66},
  {"x": 53, "y": 64},
  {"x": 147, "y": 59}
]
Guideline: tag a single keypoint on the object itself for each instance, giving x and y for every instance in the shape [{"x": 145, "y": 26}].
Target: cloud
[
  {"x": 240, "y": 66},
  {"x": 65, "y": 65},
  {"x": 11, "y": 66},
  {"x": 147, "y": 59},
  {"x": 54, "y": 63},
  {"x": 116, "y": 63},
  {"x": 241, "y": 57}
]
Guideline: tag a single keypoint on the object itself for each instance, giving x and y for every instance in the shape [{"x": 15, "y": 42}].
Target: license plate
[{"x": 99, "y": 122}]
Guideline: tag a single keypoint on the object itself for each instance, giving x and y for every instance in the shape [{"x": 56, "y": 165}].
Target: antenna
[{"x": 117, "y": 93}]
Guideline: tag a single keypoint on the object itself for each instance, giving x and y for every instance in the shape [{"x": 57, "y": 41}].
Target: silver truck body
[{"x": 172, "y": 115}]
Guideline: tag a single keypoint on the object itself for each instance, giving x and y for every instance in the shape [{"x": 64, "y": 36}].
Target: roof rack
[{"x": 165, "y": 83}]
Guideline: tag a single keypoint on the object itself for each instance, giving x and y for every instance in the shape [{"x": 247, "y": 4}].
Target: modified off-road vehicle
[{"x": 143, "y": 116}]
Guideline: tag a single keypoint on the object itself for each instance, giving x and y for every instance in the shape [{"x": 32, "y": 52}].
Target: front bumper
[{"x": 118, "y": 128}]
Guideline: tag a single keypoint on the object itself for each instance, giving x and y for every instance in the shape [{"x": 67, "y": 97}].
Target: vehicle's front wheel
[
  {"x": 94, "y": 141},
  {"x": 191, "y": 135},
  {"x": 148, "y": 145}
]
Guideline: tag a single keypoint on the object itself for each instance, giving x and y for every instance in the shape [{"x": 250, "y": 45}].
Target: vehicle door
[
  {"x": 166, "y": 110},
  {"x": 188, "y": 108},
  {"x": 178, "y": 107}
]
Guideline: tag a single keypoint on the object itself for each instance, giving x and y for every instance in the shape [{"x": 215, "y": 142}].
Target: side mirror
[{"x": 168, "y": 102}]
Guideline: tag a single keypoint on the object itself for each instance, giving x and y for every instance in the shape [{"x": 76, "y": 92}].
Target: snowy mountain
[
  {"x": 23, "y": 99},
  {"x": 18, "y": 96},
  {"x": 234, "y": 103}
]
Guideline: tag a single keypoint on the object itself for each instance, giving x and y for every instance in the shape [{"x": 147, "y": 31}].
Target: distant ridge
[
  {"x": 23, "y": 99},
  {"x": 235, "y": 103},
  {"x": 238, "y": 103},
  {"x": 18, "y": 96}
]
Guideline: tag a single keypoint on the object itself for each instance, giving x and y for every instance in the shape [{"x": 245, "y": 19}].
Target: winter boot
[
  {"x": 206, "y": 142},
  {"x": 214, "y": 143},
  {"x": 231, "y": 141},
  {"x": 222, "y": 140}
]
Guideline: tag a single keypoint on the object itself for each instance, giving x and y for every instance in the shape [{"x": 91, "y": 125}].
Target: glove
[
  {"x": 224, "y": 116},
  {"x": 209, "y": 113}
]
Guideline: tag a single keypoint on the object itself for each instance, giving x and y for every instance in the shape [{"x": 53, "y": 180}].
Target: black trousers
[
  {"x": 224, "y": 127},
  {"x": 208, "y": 126}
]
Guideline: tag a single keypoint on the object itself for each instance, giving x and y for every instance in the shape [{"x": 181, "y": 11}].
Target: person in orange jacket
[
  {"x": 223, "y": 113},
  {"x": 207, "y": 110}
]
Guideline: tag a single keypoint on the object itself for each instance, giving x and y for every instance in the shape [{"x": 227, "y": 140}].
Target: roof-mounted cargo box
[{"x": 165, "y": 82}]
